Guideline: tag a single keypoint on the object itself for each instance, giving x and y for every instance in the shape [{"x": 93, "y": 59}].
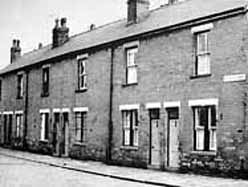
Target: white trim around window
[
  {"x": 153, "y": 105},
  {"x": 131, "y": 44},
  {"x": 202, "y": 28},
  {"x": 171, "y": 104},
  {"x": 80, "y": 109},
  {"x": 19, "y": 112},
  {"x": 56, "y": 110},
  {"x": 129, "y": 107},
  {"x": 86, "y": 55},
  {"x": 45, "y": 110},
  {"x": 46, "y": 66},
  {"x": 65, "y": 110},
  {"x": 8, "y": 112},
  {"x": 204, "y": 102}
]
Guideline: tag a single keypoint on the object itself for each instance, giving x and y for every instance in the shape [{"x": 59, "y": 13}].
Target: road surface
[{"x": 20, "y": 173}]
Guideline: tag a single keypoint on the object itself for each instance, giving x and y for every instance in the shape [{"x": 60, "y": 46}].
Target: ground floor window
[
  {"x": 44, "y": 126},
  {"x": 205, "y": 128},
  {"x": 80, "y": 119},
  {"x": 19, "y": 125},
  {"x": 130, "y": 127}
]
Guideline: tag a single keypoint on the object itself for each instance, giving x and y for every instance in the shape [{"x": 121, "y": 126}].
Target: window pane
[
  {"x": 46, "y": 126},
  {"x": 213, "y": 116},
  {"x": 200, "y": 139},
  {"x": 21, "y": 126},
  {"x": 213, "y": 141},
  {"x": 203, "y": 64},
  {"x": 127, "y": 123},
  {"x": 136, "y": 137},
  {"x": 131, "y": 75},
  {"x": 202, "y": 43},
  {"x": 17, "y": 125},
  {"x": 203, "y": 117},
  {"x": 42, "y": 126},
  {"x": 126, "y": 137},
  {"x": 131, "y": 54}
]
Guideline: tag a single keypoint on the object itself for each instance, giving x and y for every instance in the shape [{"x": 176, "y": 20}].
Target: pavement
[{"x": 145, "y": 176}]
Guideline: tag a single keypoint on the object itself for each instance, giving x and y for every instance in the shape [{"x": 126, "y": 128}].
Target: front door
[
  {"x": 7, "y": 128},
  {"x": 173, "y": 132},
  {"x": 60, "y": 134},
  {"x": 154, "y": 137}
]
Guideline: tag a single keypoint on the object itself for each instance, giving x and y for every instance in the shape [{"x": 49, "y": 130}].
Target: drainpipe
[
  {"x": 26, "y": 112},
  {"x": 110, "y": 125}
]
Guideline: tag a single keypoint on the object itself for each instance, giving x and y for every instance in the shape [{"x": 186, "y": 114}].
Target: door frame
[
  {"x": 150, "y": 132},
  {"x": 59, "y": 132},
  {"x": 168, "y": 132}
]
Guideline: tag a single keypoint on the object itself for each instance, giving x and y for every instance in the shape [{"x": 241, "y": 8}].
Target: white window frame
[
  {"x": 43, "y": 114},
  {"x": 82, "y": 60},
  {"x": 200, "y": 130},
  {"x": 131, "y": 65},
  {"x": 203, "y": 65},
  {"x": 130, "y": 130},
  {"x": 80, "y": 129}
]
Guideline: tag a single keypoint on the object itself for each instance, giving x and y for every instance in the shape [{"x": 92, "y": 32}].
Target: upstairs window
[
  {"x": 45, "y": 81},
  {"x": 205, "y": 128},
  {"x": 202, "y": 66},
  {"x": 20, "y": 86},
  {"x": 80, "y": 119},
  {"x": 131, "y": 65},
  {"x": 130, "y": 127},
  {"x": 82, "y": 75}
]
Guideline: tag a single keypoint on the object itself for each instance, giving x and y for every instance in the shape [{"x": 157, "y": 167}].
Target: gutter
[
  {"x": 26, "y": 112},
  {"x": 182, "y": 25},
  {"x": 110, "y": 125}
]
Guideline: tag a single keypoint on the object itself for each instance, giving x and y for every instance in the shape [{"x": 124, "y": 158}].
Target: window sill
[
  {"x": 129, "y": 148},
  {"x": 131, "y": 84},
  {"x": 80, "y": 144},
  {"x": 204, "y": 153},
  {"x": 43, "y": 141},
  {"x": 81, "y": 90},
  {"x": 199, "y": 76}
]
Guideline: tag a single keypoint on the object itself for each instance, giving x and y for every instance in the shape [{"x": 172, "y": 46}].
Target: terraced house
[{"x": 163, "y": 88}]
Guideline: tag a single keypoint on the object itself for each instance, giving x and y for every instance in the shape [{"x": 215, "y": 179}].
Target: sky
[{"x": 32, "y": 21}]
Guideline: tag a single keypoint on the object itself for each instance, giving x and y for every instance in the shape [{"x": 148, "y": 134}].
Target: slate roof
[{"x": 158, "y": 18}]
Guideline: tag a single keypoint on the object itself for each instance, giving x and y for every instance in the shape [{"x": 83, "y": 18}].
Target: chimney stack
[
  {"x": 60, "y": 33},
  {"x": 171, "y": 2},
  {"x": 40, "y": 46},
  {"x": 137, "y": 9},
  {"x": 15, "y": 51}
]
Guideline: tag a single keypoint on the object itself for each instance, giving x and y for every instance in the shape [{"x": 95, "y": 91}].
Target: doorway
[
  {"x": 173, "y": 137},
  {"x": 61, "y": 134},
  {"x": 7, "y": 128},
  {"x": 154, "y": 137}
]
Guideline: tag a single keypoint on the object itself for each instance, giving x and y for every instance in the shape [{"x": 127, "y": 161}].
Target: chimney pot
[
  {"x": 40, "y": 46},
  {"x": 63, "y": 22},
  {"x": 15, "y": 51},
  {"x": 92, "y": 27}
]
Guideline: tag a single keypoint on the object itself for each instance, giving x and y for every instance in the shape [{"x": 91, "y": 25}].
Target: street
[{"x": 20, "y": 173}]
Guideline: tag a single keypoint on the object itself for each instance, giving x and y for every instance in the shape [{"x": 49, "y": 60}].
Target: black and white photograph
[{"x": 123, "y": 93}]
